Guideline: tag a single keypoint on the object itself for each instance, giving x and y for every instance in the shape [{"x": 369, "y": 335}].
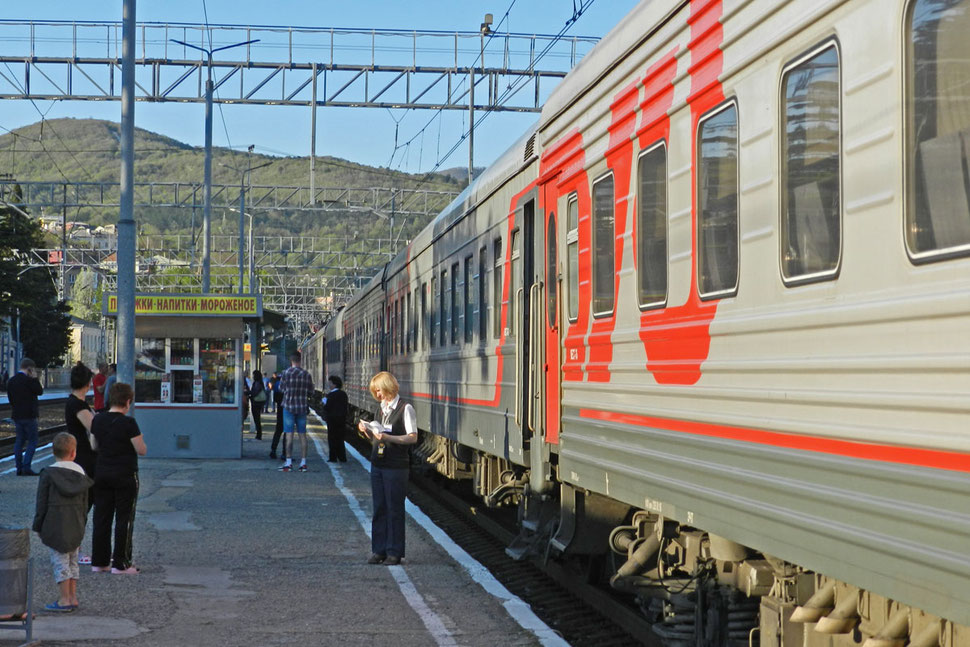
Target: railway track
[{"x": 51, "y": 421}]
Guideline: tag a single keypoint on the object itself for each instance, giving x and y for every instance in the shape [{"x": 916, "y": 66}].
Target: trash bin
[{"x": 14, "y": 555}]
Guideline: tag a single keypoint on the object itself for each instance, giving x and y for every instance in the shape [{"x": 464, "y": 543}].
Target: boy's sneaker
[
  {"x": 303, "y": 467},
  {"x": 284, "y": 468},
  {"x": 84, "y": 560}
]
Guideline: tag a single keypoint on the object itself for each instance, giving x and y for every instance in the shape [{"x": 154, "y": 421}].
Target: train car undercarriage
[{"x": 696, "y": 588}]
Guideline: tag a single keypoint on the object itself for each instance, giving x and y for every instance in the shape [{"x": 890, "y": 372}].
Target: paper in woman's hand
[{"x": 374, "y": 427}]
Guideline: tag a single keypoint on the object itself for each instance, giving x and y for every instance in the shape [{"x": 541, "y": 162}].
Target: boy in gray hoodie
[{"x": 62, "y": 512}]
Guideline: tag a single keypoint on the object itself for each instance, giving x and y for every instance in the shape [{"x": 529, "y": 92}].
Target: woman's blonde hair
[{"x": 386, "y": 383}]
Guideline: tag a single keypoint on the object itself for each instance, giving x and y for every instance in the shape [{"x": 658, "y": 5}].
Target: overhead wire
[
  {"x": 438, "y": 113},
  {"x": 511, "y": 90}
]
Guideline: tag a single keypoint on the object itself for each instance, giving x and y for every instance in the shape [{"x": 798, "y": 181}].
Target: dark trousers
[
  {"x": 26, "y": 429},
  {"x": 278, "y": 432},
  {"x": 335, "y": 439},
  {"x": 114, "y": 499},
  {"x": 389, "y": 488},
  {"x": 257, "y": 412}
]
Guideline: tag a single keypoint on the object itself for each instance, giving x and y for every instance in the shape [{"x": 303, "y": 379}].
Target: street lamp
[
  {"x": 242, "y": 217},
  {"x": 207, "y": 191}
]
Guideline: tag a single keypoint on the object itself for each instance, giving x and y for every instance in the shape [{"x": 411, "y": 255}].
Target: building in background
[{"x": 87, "y": 344}]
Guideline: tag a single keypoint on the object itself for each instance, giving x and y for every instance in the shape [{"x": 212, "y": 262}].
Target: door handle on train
[
  {"x": 534, "y": 348},
  {"x": 518, "y": 366}
]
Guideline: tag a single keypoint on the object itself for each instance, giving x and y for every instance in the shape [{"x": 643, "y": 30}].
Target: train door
[{"x": 532, "y": 339}]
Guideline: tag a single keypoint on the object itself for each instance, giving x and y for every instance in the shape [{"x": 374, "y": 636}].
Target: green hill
[{"x": 88, "y": 150}]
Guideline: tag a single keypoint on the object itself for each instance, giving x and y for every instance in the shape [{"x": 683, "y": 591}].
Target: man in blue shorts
[{"x": 297, "y": 385}]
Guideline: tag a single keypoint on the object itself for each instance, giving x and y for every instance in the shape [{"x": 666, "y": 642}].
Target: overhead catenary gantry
[
  {"x": 299, "y": 66},
  {"x": 55, "y": 195}
]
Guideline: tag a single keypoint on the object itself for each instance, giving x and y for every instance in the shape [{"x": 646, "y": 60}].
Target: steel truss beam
[
  {"x": 353, "y": 68},
  {"x": 382, "y": 200}
]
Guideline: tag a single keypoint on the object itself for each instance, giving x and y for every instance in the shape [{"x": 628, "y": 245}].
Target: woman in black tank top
[{"x": 391, "y": 433}]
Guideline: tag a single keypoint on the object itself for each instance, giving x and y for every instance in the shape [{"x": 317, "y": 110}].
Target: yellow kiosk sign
[{"x": 197, "y": 305}]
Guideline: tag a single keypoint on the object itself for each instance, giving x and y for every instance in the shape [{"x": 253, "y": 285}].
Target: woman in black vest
[{"x": 391, "y": 432}]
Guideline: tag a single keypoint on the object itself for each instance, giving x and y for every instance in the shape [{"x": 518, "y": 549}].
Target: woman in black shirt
[
  {"x": 119, "y": 444},
  {"x": 78, "y": 417}
]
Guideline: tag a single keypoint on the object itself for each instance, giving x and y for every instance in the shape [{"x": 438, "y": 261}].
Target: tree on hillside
[
  {"x": 30, "y": 293},
  {"x": 86, "y": 296}
]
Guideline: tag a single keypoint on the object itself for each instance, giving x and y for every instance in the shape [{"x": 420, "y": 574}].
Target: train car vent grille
[{"x": 530, "y": 148}]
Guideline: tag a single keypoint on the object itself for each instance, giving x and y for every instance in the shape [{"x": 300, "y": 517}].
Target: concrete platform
[{"x": 234, "y": 552}]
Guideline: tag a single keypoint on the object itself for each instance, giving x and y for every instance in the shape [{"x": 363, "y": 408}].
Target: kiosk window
[
  {"x": 149, "y": 369},
  {"x": 217, "y": 366}
]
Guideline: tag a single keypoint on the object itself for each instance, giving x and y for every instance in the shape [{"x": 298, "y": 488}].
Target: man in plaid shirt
[{"x": 297, "y": 385}]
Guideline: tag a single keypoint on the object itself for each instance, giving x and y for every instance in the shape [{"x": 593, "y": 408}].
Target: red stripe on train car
[{"x": 933, "y": 458}]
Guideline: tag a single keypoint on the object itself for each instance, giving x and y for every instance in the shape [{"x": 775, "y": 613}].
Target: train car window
[
  {"x": 552, "y": 271},
  {"x": 482, "y": 293},
  {"x": 498, "y": 262},
  {"x": 433, "y": 322},
  {"x": 717, "y": 187},
  {"x": 397, "y": 326},
  {"x": 811, "y": 223},
  {"x": 572, "y": 255},
  {"x": 443, "y": 309},
  {"x": 652, "y": 227},
  {"x": 408, "y": 323},
  {"x": 423, "y": 326},
  {"x": 937, "y": 105},
  {"x": 515, "y": 282},
  {"x": 604, "y": 244},
  {"x": 455, "y": 305},
  {"x": 469, "y": 295}
]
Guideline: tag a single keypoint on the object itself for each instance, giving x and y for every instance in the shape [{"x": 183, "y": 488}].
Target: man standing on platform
[
  {"x": 99, "y": 391},
  {"x": 22, "y": 392},
  {"x": 297, "y": 386},
  {"x": 110, "y": 380},
  {"x": 335, "y": 409}
]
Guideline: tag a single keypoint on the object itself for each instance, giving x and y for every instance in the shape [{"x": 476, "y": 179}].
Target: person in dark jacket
[
  {"x": 389, "y": 464},
  {"x": 257, "y": 396},
  {"x": 22, "y": 392},
  {"x": 335, "y": 410},
  {"x": 119, "y": 443},
  {"x": 278, "y": 432},
  {"x": 62, "y": 513}
]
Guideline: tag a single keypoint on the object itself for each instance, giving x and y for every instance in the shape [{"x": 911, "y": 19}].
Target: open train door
[
  {"x": 537, "y": 365},
  {"x": 539, "y": 341}
]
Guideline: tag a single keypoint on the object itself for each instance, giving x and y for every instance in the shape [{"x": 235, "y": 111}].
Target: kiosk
[{"x": 189, "y": 371}]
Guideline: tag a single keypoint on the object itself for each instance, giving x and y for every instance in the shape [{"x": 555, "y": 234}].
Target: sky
[{"x": 365, "y": 135}]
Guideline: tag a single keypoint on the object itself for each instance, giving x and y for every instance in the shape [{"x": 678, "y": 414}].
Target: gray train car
[{"x": 710, "y": 315}]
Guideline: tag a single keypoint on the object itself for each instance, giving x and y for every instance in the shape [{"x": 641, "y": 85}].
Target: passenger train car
[{"x": 707, "y": 323}]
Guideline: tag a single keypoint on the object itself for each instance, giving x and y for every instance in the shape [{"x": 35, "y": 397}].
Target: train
[{"x": 706, "y": 323}]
